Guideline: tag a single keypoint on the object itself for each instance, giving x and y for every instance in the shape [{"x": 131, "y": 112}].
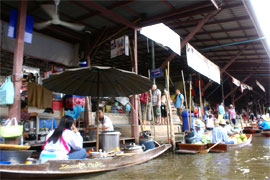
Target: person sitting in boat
[
  {"x": 220, "y": 133},
  {"x": 105, "y": 121},
  {"x": 65, "y": 142},
  {"x": 210, "y": 122},
  {"x": 199, "y": 132},
  {"x": 265, "y": 124},
  {"x": 229, "y": 129}
]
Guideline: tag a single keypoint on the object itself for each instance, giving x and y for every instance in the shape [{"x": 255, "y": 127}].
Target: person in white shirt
[
  {"x": 105, "y": 123},
  {"x": 65, "y": 142}
]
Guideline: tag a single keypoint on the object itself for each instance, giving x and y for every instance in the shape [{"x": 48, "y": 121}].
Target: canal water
[{"x": 250, "y": 162}]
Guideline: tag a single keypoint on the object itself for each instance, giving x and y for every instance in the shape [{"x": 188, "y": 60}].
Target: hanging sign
[
  {"x": 156, "y": 72},
  {"x": 120, "y": 46},
  {"x": 245, "y": 86},
  {"x": 162, "y": 34},
  {"x": 260, "y": 85},
  {"x": 201, "y": 64},
  {"x": 13, "y": 26},
  {"x": 236, "y": 82}
]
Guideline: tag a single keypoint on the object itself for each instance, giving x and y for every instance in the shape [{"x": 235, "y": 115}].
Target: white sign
[
  {"x": 120, "y": 46},
  {"x": 236, "y": 82},
  {"x": 260, "y": 85},
  {"x": 245, "y": 86},
  {"x": 201, "y": 64},
  {"x": 162, "y": 34}
]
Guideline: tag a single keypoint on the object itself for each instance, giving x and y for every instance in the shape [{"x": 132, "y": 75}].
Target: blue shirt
[
  {"x": 179, "y": 100},
  {"x": 198, "y": 134},
  {"x": 221, "y": 109},
  {"x": 220, "y": 133},
  {"x": 265, "y": 125},
  {"x": 47, "y": 123}
]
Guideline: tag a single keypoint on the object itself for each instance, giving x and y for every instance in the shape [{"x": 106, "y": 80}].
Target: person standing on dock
[
  {"x": 143, "y": 100},
  {"x": 179, "y": 104},
  {"x": 221, "y": 111},
  {"x": 232, "y": 114},
  {"x": 156, "y": 103}
]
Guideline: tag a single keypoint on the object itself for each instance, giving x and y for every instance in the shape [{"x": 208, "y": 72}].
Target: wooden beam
[
  {"x": 109, "y": 13},
  {"x": 114, "y": 6},
  {"x": 15, "y": 108},
  {"x": 231, "y": 92},
  {"x": 180, "y": 24},
  {"x": 191, "y": 34},
  {"x": 158, "y": 18}
]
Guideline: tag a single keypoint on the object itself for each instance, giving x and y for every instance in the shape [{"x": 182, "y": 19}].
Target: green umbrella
[{"x": 98, "y": 82}]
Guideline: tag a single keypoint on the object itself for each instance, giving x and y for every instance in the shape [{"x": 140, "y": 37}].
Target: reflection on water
[{"x": 250, "y": 162}]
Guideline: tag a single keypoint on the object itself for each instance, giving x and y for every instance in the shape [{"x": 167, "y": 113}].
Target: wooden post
[
  {"x": 134, "y": 113},
  {"x": 184, "y": 84},
  {"x": 15, "y": 108},
  {"x": 190, "y": 87},
  {"x": 167, "y": 108},
  {"x": 201, "y": 105},
  {"x": 170, "y": 110}
]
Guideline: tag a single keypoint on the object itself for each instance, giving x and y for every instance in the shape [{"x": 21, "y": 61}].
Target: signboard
[
  {"x": 120, "y": 46},
  {"x": 13, "y": 26},
  {"x": 245, "y": 86},
  {"x": 201, "y": 64},
  {"x": 260, "y": 85},
  {"x": 236, "y": 82},
  {"x": 162, "y": 34},
  {"x": 156, "y": 73}
]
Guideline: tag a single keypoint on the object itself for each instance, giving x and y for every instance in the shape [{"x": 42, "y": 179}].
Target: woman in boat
[
  {"x": 199, "y": 132},
  {"x": 65, "y": 142},
  {"x": 265, "y": 124}
]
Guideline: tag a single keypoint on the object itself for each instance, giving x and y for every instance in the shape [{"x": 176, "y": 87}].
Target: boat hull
[
  {"x": 266, "y": 132},
  {"x": 68, "y": 168},
  {"x": 227, "y": 147},
  {"x": 190, "y": 148}
]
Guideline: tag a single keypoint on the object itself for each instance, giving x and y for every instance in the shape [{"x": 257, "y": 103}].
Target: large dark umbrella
[{"x": 97, "y": 81}]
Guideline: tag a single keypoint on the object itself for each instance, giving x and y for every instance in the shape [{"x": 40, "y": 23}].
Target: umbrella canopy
[{"x": 86, "y": 81}]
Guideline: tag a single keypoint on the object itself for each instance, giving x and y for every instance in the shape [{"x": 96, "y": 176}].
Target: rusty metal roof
[{"x": 229, "y": 25}]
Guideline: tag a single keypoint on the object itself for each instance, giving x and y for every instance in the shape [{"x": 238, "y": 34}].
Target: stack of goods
[{"x": 239, "y": 138}]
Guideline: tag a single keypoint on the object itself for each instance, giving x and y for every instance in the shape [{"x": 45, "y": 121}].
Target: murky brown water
[{"x": 250, "y": 162}]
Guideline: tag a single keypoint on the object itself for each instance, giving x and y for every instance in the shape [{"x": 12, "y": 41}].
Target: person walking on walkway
[
  {"x": 156, "y": 103},
  {"x": 179, "y": 104}
]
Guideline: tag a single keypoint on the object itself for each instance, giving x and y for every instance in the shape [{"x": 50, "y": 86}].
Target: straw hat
[{"x": 222, "y": 122}]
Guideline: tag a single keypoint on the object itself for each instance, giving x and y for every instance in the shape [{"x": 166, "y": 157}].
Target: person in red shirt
[{"x": 143, "y": 100}]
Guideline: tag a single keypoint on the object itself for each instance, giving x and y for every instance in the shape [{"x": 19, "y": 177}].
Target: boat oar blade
[{"x": 207, "y": 150}]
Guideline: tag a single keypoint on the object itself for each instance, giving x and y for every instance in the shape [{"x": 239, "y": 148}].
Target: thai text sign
[{"x": 120, "y": 46}]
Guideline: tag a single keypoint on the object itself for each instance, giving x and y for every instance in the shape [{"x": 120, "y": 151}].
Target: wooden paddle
[{"x": 207, "y": 150}]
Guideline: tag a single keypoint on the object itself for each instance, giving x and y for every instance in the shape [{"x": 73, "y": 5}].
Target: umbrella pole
[
  {"x": 190, "y": 102},
  {"x": 97, "y": 118}
]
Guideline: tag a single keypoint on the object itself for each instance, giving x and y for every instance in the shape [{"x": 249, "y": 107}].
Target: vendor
[
  {"x": 65, "y": 142},
  {"x": 265, "y": 124},
  {"x": 199, "y": 132},
  {"x": 105, "y": 121},
  {"x": 220, "y": 133},
  {"x": 25, "y": 115}
]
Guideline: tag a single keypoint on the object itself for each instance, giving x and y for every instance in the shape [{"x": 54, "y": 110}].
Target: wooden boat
[
  {"x": 190, "y": 148},
  {"x": 227, "y": 147},
  {"x": 68, "y": 168},
  {"x": 266, "y": 132},
  {"x": 251, "y": 130}
]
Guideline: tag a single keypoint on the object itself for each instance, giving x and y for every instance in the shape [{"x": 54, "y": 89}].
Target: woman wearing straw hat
[{"x": 265, "y": 124}]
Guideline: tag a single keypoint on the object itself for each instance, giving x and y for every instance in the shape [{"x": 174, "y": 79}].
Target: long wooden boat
[
  {"x": 68, "y": 168},
  {"x": 227, "y": 147},
  {"x": 251, "y": 130},
  {"x": 266, "y": 132},
  {"x": 190, "y": 148}
]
